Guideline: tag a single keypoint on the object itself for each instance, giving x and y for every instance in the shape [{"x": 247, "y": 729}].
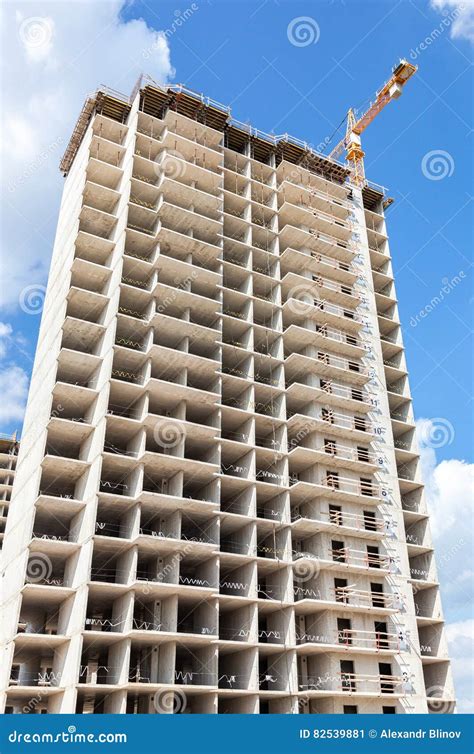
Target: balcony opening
[
  {"x": 344, "y": 631},
  {"x": 330, "y": 447},
  {"x": 381, "y": 635},
  {"x": 347, "y": 675},
  {"x": 386, "y": 682},
  {"x": 377, "y": 594},
  {"x": 332, "y": 479},
  {"x": 373, "y": 556},
  {"x": 363, "y": 454},
  {"x": 370, "y": 523},
  {"x": 335, "y": 514},
  {"x": 366, "y": 487},
  {"x": 327, "y": 415},
  {"x": 338, "y": 551},
  {"x": 341, "y": 591}
]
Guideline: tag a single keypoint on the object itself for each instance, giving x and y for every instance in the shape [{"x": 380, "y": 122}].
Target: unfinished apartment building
[
  {"x": 9, "y": 446},
  {"x": 218, "y": 505}
]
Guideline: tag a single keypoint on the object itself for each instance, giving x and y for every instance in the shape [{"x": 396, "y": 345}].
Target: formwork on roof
[
  {"x": 101, "y": 102},
  {"x": 371, "y": 197}
]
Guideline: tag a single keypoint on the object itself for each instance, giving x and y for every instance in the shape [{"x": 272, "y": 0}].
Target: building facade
[
  {"x": 218, "y": 505},
  {"x": 9, "y": 446}
]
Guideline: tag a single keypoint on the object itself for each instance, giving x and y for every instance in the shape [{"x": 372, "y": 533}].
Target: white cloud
[
  {"x": 449, "y": 493},
  {"x": 462, "y": 14},
  {"x": 5, "y": 335},
  {"x": 54, "y": 55},
  {"x": 14, "y": 390},
  {"x": 461, "y": 649}
]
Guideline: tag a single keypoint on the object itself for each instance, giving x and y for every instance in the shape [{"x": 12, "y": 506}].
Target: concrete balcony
[
  {"x": 109, "y": 128},
  {"x": 345, "y": 559},
  {"x": 300, "y": 339},
  {"x": 180, "y": 194},
  {"x": 329, "y": 422},
  {"x": 23, "y": 680},
  {"x": 180, "y": 125},
  {"x": 325, "y": 365},
  {"x": 107, "y": 151},
  {"x": 203, "y": 152},
  {"x": 354, "y": 685},
  {"x": 319, "y": 288},
  {"x": 88, "y": 275},
  {"x": 103, "y": 173},
  {"x": 298, "y": 238},
  {"x": 388, "y": 326},
  {"x": 385, "y": 299},
  {"x": 350, "y": 524},
  {"x": 333, "y": 394},
  {"x": 302, "y": 455},
  {"x": 86, "y": 304},
  {"x": 287, "y": 171},
  {"x": 378, "y": 253},
  {"x": 333, "y": 488},
  {"x": 318, "y": 198},
  {"x": 190, "y": 222},
  {"x": 100, "y": 197},
  {"x": 309, "y": 598},
  {"x": 349, "y": 641},
  {"x": 316, "y": 263},
  {"x": 303, "y": 215},
  {"x": 97, "y": 223},
  {"x": 301, "y": 309}
]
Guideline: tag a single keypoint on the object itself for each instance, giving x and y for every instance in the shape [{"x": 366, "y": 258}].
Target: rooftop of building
[{"x": 156, "y": 99}]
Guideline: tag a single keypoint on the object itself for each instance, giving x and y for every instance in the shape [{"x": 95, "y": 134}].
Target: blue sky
[{"x": 240, "y": 54}]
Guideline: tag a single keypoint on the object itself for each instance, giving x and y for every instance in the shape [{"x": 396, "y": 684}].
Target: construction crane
[{"x": 351, "y": 143}]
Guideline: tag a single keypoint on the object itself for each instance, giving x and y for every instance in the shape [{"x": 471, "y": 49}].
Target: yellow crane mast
[{"x": 351, "y": 143}]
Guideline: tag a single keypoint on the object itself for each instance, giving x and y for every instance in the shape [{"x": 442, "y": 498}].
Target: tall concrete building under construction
[{"x": 218, "y": 505}]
